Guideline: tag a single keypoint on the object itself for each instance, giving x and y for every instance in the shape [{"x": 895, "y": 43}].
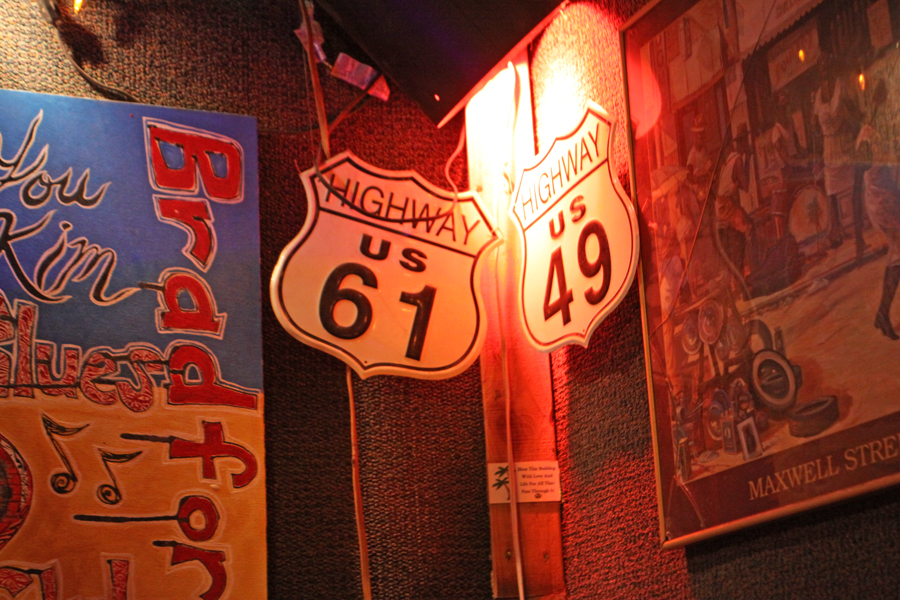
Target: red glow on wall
[
  {"x": 578, "y": 59},
  {"x": 645, "y": 100}
]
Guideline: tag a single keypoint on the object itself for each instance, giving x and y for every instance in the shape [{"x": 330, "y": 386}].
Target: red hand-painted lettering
[
  {"x": 205, "y": 387},
  {"x": 195, "y": 218},
  {"x": 197, "y": 152},
  {"x": 214, "y": 446},
  {"x": 212, "y": 561},
  {"x": 200, "y": 318}
]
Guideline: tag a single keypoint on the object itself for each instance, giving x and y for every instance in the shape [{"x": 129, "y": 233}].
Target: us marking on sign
[
  {"x": 385, "y": 272},
  {"x": 580, "y": 234}
]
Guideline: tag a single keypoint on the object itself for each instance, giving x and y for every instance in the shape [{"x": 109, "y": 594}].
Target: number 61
[{"x": 332, "y": 293}]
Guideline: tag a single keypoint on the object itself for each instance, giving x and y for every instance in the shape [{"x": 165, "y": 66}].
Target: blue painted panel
[{"x": 130, "y": 211}]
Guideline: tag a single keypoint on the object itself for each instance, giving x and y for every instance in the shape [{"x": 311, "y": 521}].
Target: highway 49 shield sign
[
  {"x": 580, "y": 235},
  {"x": 384, "y": 274}
]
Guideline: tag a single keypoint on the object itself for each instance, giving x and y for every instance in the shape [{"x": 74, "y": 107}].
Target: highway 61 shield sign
[
  {"x": 384, "y": 274},
  {"x": 580, "y": 233}
]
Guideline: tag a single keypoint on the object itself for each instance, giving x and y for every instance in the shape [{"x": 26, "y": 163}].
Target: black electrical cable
[
  {"x": 109, "y": 91},
  {"x": 52, "y": 15}
]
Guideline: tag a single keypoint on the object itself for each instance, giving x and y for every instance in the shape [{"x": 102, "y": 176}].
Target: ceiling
[{"x": 439, "y": 51}]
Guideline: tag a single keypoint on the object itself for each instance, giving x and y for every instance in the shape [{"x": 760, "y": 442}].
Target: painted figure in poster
[
  {"x": 699, "y": 163},
  {"x": 754, "y": 300},
  {"x": 732, "y": 222},
  {"x": 838, "y": 117},
  {"x": 882, "y": 197}
]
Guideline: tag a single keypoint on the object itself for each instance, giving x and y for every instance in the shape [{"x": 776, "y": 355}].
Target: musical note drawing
[
  {"x": 62, "y": 483},
  {"x": 193, "y": 529},
  {"x": 110, "y": 494}
]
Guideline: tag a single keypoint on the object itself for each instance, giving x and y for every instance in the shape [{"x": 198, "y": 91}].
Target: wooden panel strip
[{"x": 493, "y": 156}]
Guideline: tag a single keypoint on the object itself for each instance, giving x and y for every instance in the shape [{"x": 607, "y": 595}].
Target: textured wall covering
[{"x": 422, "y": 444}]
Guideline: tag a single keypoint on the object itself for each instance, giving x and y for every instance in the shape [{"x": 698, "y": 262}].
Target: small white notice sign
[{"x": 537, "y": 481}]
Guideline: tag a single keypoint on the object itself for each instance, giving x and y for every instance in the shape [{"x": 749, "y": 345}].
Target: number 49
[{"x": 588, "y": 268}]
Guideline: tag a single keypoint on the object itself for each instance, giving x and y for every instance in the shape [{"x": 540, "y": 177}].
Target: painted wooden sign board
[
  {"x": 581, "y": 236},
  {"x": 131, "y": 405},
  {"x": 385, "y": 272}
]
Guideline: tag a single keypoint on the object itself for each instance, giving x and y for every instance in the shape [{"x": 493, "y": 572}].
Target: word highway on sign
[
  {"x": 384, "y": 273},
  {"x": 580, "y": 235}
]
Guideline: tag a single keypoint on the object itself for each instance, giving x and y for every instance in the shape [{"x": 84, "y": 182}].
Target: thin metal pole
[{"x": 357, "y": 496}]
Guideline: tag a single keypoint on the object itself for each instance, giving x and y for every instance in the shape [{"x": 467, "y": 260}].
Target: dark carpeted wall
[{"x": 422, "y": 443}]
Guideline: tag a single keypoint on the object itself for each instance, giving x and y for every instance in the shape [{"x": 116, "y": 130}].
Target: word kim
[
  {"x": 187, "y": 373},
  {"x": 64, "y": 262}
]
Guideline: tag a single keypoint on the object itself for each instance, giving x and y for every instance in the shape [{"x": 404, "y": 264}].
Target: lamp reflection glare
[
  {"x": 564, "y": 104},
  {"x": 645, "y": 99}
]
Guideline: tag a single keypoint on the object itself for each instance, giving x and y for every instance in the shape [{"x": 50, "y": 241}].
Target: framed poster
[
  {"x": 764, "y": 138},
  {"x": 131, "y": 405}
]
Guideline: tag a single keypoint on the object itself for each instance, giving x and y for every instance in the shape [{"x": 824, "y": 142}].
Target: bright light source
[
  {"x": 802, "y": 55},
  {"x": 862, "y": 82},
  {"x": 498, "y": 98},
  {"x": 564, "y": 104},
  {"x": 77, "y": 5}
]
